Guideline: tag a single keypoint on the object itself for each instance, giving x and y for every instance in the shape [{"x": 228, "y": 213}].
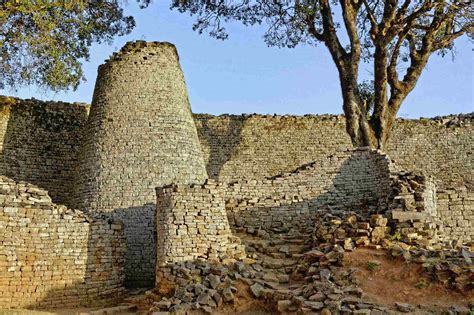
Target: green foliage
[
  {"x": 421, "y": 284},
  {"x": 43, "y": 41},
  {"x": 373, "y": 265},
  {"x": 396, "y": 236},
  {"x": 366, "y": 92}
]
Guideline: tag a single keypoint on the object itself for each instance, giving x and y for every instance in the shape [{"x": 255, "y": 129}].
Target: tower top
[{"x": 141, "y": 49}]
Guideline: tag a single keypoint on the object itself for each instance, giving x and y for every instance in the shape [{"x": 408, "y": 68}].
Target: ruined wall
[
  {"x": 357, "y": 180},
  {"x": 140, "y": 135},
  {"x": 51, "y": 256},
  {"x": 192, "y": 223},
  {"x": 39, "y": 143},
  {"x": 255, "y": 146}
]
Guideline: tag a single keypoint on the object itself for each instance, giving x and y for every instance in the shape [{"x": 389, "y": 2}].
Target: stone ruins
[{"x": 119, "y": 194}]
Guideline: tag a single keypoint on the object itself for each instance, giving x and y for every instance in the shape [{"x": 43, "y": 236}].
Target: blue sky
[{"x": 243, "y": 75}]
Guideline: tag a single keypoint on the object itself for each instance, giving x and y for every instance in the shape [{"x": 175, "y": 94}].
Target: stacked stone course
[
  {"x": 257, "y": 146},
  {"x": 51, "y": 256},
  {"x": 357, "y": 179},
  {"x": 192, "y": 225},
  {"x": 39, "y": 143},
  {"x": 455, "y": 209},
  {"x": 141, "y": 134}
]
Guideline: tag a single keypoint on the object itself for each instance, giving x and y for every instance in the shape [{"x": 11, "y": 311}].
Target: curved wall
[
  {"x": 140, "y": 135},
  {"x": 39, "y": 143},
  {"x": 51, "y": 256}
]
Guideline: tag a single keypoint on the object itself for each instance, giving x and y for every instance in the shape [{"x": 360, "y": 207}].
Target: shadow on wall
[
  {"x": 96, "y": 286},
  {"x": 224, "y": 140},
  {"x": 40, "y": 145},
  {"x": 59, "y": 257},
  {"x": 140, "y": 233},
  {"x": 359, "y": 185}
]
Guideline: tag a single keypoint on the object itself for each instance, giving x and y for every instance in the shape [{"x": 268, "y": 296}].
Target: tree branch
[
  {"x": 349, "y": 14},
  {"x": 331, "y": 40},
  {"x": 371, "y": 16},
  {"x": 447, "y": 40}
]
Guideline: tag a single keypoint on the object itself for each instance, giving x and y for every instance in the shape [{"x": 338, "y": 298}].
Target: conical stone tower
[{"x": 140, "y": 135}]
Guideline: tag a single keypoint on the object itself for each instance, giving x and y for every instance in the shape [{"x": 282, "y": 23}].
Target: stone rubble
[{"x": 298, "y": 273}]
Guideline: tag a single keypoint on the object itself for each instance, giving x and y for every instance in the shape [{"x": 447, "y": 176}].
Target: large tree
[
  {"x": 42, "y": 42},
  {"x": 390, "y": 34}
]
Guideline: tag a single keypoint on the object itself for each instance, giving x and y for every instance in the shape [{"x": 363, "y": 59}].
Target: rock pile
[
  {"x": 200, "y": 285},
  {"x": 413, "y": 211},
  {"x": 453, "y": 268},
  {"x": 349, "y": 229},
  {"x": 298, "y": 275},
  {"x": 346, "y": 231}
]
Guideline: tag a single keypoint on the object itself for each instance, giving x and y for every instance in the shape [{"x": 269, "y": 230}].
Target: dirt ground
[
  {"x": 387, "y": 280},
  {"x": 244, "y": 304}
]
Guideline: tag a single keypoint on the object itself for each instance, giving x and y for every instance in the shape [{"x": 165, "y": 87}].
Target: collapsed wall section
[
  {"x": 39, "y": 143},
  {"x": 356, "y": 180},
  {"x": 51, "y": 256},
  {"x": 140, "y": 135}
]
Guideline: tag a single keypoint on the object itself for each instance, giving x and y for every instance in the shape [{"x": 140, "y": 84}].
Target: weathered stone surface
[
  {"x": 140, "y": 135},
  {"x": 52, "y": 256},
  {"x": 192, "y": 224},
  {"x": 256, "y": 289}
]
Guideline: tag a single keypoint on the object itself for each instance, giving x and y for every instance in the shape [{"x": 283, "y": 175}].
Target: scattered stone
[
  {"x": 284, "y": 305},
  {"x": 313, "y": 305},
  {"x": 228, "y": 295},
  {"x": 256, "y": 289},
  {"x": 405, "y": 308}
]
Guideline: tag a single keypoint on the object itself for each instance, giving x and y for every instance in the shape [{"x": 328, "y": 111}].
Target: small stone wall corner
[{"x": 192, "y": 225}]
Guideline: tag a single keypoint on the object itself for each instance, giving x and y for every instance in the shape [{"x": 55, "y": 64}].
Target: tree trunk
[
  {"x": 381, "y": 123},
  {"x": 357, "y": 124}
]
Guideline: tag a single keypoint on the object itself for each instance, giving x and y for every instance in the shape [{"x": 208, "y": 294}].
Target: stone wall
[
  {"x": 51, "y": 256},
  {"x": 356, "y": 180},
  {"x": 256, "y": 146},
  {"x": 39, "y": 143},
  {"x": 456, "y": 211},
  {"x": 192, "y": 223},
  {"x": 140, "y": 135},
  {"x": 43, "y": 138}
]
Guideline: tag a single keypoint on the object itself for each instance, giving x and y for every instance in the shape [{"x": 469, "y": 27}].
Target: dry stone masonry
[
  {"x": 51, "y": 256},
  {"x": 456, "y": 210},
  {"x": 140, "y": 135},
  {"x": 138, "y": 165},
  {"x": 192, "y": 225},
  {"x": 39, "y": 143},
  {"x": 357, "y": 179},
  {"x": 256, "y": 146}
]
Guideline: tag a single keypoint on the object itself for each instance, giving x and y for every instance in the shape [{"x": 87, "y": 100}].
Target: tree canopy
[
  {"x": 396, "y": 36},
  {"x": 42, "y": 42}
]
